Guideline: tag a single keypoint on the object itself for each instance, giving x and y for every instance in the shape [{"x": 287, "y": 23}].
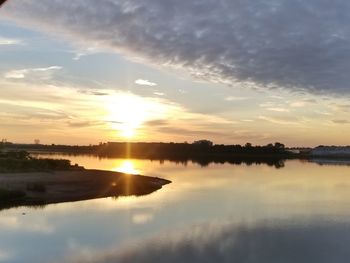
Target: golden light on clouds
[
  {"x": 182, "y": 91},
  {"x": 50, "y": 112}
]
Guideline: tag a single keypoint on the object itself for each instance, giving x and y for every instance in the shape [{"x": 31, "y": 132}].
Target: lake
[{"x": 217, "y": 213}]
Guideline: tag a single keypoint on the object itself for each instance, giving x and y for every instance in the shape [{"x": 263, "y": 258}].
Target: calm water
[{"x": 219, "y": 213}]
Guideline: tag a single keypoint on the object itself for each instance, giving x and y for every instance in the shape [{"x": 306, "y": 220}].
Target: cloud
[
  {"x": 84, "y": 52},
  {"x": 232, "y": 98},
  {"x": 268, "y": 104},
  {"x": 84, "y": 124},
  {"x": 188, "y": 132},
  {"x": 94, "y": 92},
  {"x": 9, "y": 41},
  {"x": 298, "y": 104},
  {"x": 144, "y": 82},
  {"x": 159, "y": 93},
  {"x": 298, "y": 45},
  {"x": 157, "y": 123},
  {"x": 23, "y": 73},
  {"x": 341, "y": 121},
  {"x": 46, "y": 69},
  {"x": 278, "y": 109},
  {"x": 340, "y": 107},
  {"x": 16, "y": 74},
  {"x": 285, "y": 120},
  {"x": 18, "y": 111},
  {"x": 302, "y": 103}
]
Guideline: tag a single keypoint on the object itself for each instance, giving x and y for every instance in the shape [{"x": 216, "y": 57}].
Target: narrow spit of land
[{"x": 23, "y": 186}]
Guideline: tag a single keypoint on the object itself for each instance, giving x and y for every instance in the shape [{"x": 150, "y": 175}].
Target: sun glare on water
[{"x": 127, "y": 167}]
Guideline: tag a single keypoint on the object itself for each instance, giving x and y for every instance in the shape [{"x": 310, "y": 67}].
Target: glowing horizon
[{"x": 161, "y": 81}]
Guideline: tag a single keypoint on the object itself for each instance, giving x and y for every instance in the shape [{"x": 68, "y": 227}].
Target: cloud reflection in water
[{"x": 209, "y": 243}]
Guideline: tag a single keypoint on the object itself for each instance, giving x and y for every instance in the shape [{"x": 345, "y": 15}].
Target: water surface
[{"x": 217, "y": 213}]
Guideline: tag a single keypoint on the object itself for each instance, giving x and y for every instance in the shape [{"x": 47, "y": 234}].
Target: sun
[
  {"x": 127, "y": 113},
  {"x": 127, "y": 131}
]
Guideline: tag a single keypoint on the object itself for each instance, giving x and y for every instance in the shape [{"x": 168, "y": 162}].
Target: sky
[{"x": 231, "y": 71}]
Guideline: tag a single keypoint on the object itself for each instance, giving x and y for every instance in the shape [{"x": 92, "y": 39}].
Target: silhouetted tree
[
  {"x": 279, "y": 145},
  {"x": 204, "y": 143}
]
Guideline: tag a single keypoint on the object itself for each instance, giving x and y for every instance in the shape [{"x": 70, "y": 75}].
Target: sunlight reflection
[{"x": 126, "y": 166}]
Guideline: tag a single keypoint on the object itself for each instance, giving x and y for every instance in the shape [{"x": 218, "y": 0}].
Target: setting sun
[
  {"x": 127, "y": 132},
  {"x": 127, "y": 113}
]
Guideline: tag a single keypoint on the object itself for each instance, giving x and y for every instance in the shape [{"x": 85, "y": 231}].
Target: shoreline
[{"x": 43, "y": 188}]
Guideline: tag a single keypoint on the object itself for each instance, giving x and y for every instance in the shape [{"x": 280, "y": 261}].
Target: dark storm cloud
[
  {"x": 295, "y": 44},
  {"x": 321, "y": 243}
]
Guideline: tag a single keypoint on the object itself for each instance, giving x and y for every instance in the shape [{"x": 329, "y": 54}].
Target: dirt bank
[{"x": 40, "y": 188}]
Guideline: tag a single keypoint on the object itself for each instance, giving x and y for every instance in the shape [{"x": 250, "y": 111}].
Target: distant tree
[
  {"x": 248, "y": 145},
  {"x": 3, "y": 143},
  {"x": 204, "y": 143},
  {"x": 279, "y": 145}
]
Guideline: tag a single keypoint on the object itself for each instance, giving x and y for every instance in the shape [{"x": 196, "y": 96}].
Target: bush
[{"x": 22, "y": 162}]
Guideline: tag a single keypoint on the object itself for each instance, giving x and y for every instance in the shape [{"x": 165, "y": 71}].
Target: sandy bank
[{"x": 75, "y": 185}]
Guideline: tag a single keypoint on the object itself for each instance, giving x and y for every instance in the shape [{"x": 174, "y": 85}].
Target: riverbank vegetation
[
  {"x": 155, "y": 150},
  {"x": 21, "y": 161}
]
